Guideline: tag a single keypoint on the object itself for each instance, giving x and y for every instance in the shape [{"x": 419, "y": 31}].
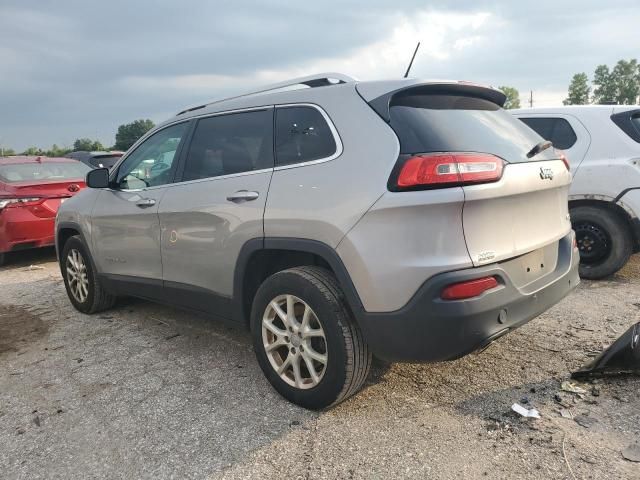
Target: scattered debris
[
  {"x": 632, "y": 453},
  {"x": 595, "y": 391},
  {"x": 34, "y": 267},
  {"x": 582, "y": 328},
  {"x": 572, "y": 387},
  {"x": 172, "y": 336},
  {"x": 36, "y": 420},
  {"x": 525, "y": 412},
  {"x": 623, "y": 356},
  {"x": 585, "y": 421},
  {"x": 565, "y": 413}
]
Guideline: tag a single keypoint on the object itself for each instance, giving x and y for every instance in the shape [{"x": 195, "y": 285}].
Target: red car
[{"x": 31, "y": 190}]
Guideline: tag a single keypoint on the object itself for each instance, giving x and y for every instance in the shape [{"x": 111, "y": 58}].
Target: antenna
[{"x": 406, "y": 74}]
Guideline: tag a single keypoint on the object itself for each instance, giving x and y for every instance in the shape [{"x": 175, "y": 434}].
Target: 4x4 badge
[{"x": 546, "y": 173}]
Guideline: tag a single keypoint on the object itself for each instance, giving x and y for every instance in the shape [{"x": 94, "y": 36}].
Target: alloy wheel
[
  {"x": 77, "y": 276},
  {"x": 294, "y": 341}
]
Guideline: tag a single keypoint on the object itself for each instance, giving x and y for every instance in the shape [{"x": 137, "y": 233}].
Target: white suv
[{"x": 602, "y": 143}]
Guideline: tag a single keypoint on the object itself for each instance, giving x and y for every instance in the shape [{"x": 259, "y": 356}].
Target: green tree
[
  {"x": 83, "y": 144},
  {"x": 579, "y": 90},
  {"x": 56, "y": 151},
  {"x": 129, "y": 133},
  {"x": 513, "y": 97},
  {"x": 625, "y": 76},
  {"x": 604, "y": 86},
  {"x": 33, "y": 151},
  {"x": 5, "y": 152}
]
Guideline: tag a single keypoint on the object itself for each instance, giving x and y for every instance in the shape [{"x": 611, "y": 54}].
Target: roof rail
[{"x": 317, "y": 80}]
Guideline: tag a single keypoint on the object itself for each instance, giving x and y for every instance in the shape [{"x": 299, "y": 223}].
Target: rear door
[
  {"x": 126, "y": 228},
  {"x": 527, "y": 207},
  {"x": 217, "y": 206}
]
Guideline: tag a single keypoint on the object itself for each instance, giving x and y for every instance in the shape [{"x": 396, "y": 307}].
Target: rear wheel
[
  {"x": 81, "y": 280},
  {"x": 3, "y": 259},
  {"x": 306, "y": 342},
  {"x": 603, "y": 239}
]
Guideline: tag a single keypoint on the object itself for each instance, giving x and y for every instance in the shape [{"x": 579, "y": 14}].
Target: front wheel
[
  {"x": 603, "y": 239},
  {"x": 81, "y": 280},
  {"x": 306, "y": 342}
]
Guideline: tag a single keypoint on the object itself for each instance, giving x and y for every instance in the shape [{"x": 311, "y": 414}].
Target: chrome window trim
[
  {"x": 221, "y": 177},
  {"x": 332, "y": 128}
]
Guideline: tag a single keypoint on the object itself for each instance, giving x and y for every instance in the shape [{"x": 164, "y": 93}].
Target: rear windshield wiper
[{"x": 539, "y": 148}]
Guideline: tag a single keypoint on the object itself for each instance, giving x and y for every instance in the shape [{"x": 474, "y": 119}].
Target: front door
[
  {"x": 126, "y": 228},
  {"x": 215, "y": 207}
]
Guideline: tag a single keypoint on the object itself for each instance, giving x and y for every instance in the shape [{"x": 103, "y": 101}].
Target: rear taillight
[
  {"x": 468, "y": 289},
  {"x": 565, "y": 160},
  {"x": 18, "y": 202},
  {"x": 438, "y": 170}
]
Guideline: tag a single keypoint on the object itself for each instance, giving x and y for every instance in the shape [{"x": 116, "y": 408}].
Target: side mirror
[{"x": 98, "y": 178}]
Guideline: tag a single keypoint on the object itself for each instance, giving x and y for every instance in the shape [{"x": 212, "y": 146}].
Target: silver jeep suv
[{"x": 411, "y": 220}]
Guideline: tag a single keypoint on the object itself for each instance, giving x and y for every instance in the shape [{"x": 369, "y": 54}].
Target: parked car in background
[
  {"x": 31, "y": 191},
  {"x": 96, "y": 159},
  {"x": 412, "y": 220},
  {"x": 602, "y": 144}
]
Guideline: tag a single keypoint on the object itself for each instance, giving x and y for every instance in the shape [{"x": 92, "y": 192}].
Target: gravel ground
[{"x": 149, "y": 391}]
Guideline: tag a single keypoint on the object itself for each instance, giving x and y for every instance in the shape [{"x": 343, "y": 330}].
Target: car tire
[
  {"x": 81, "y": 280},
  {"x": 3, "y": 259},
  {"x": 330, "y": 333},
  {"x": 604, "y": 241}
]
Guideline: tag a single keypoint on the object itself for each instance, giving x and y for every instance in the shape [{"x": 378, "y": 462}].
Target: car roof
[
  {"x": 577, "y": 109},
  {"x": 295, "y": 90},
  {"x": 22, "y": 159}
]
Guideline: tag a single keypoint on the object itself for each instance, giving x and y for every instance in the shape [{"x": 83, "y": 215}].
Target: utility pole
[{"x": 531, "y": 99}]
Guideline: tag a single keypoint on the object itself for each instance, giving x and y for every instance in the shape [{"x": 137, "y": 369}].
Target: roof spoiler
[{"x": 382, "y": 103}]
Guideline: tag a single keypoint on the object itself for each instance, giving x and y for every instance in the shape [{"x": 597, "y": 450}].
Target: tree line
[
  {"x": 619, "y": 85},
  {"x": 126, "y": 136}
]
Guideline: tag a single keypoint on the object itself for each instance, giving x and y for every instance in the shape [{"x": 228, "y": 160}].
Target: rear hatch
[{"x": 520, "y": 205}]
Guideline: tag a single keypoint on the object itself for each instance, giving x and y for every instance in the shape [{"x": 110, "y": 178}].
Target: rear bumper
[
  {"x": 429, "y": 329},
  {"x": 20, "y": 230}
]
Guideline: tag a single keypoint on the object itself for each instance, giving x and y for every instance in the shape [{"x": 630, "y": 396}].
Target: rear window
[
  {"x": 105, "y": 161},
  {"x": 43, "y": 172},
  {"x": 230, "y": 144},
  {"x": 557, "y": 130},
  {"x": 439, "y": 122},
  {"x": 629, "y": 123}
]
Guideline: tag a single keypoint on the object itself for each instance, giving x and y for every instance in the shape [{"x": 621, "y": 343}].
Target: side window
[
  {"x": 232, "y": 143},
  {"x": 153, "y": 162},
  {"x": 563, "y": 136},
  {"x": 558, "y": 130},
  {"x": 302, "y": 135},
  {"x": 542, "y": 126}
]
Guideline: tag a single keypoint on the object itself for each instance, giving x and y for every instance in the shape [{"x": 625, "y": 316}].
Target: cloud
[{"x": 75, "y": 68}]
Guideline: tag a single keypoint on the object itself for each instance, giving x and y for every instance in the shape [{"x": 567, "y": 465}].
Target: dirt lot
[{"x": 149, "y": 391}]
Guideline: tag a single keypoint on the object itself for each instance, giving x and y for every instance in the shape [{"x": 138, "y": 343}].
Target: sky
[{"x": 71, "y": 69}]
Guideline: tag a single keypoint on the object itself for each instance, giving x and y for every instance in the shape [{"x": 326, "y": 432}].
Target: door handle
[
  {"x": 145, "y": 203},
  {"x": 243, "y": 196}
]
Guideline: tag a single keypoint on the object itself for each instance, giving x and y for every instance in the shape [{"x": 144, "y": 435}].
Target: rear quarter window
[
  {"x": 302, "y": 135},
  {"x": 557, "y": 130},
  {"x": 629, "y": 123},
  {"x": 440, "y": 122}
]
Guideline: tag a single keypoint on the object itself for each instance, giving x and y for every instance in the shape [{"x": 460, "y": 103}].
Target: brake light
[
  {"x": 437, "y": 170},
  {"x": 17, "y": 202},
  {"x": 468, "y": 289},
  {"x": 565, "y": 160}
]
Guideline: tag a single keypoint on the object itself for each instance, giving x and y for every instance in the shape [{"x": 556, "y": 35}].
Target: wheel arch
[{"x": 261, "y": 257}]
